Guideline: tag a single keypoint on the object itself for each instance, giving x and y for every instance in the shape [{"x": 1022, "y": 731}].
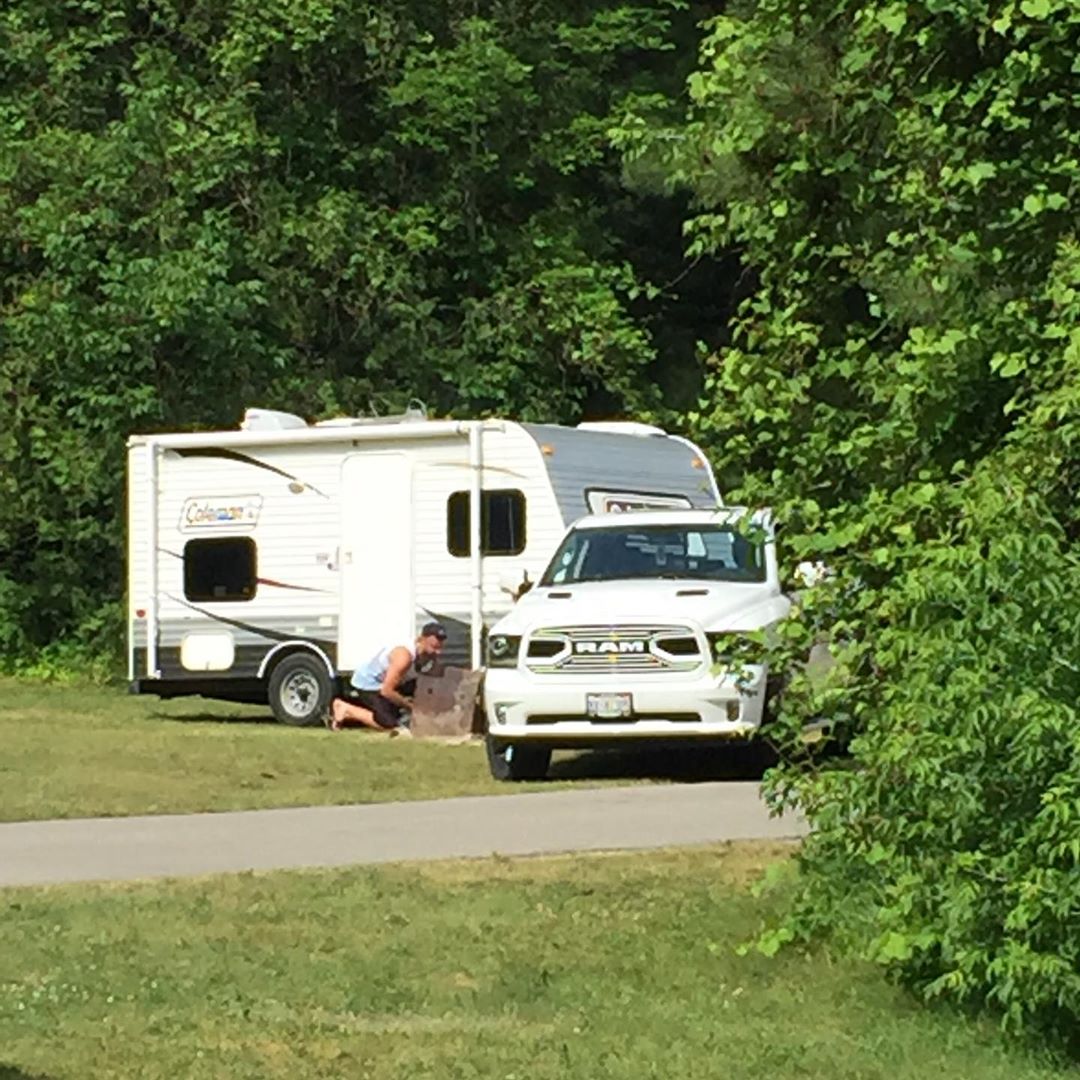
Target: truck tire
[
  {"x": 300, "y": 690},
  {"x": 517, "y": 761}
]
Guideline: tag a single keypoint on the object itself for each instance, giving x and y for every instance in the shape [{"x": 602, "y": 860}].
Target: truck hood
[{"x": 714, "y": 606}]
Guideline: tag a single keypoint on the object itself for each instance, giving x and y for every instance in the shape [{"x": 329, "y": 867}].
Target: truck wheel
[
  {"x": 514, "y": 761},
  {"x": 300, "y": 690}
]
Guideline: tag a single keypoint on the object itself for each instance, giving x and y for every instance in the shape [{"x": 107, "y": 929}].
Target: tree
[
  {"x": 322, "y": 206},
  {"x": 900, "y": 181}
]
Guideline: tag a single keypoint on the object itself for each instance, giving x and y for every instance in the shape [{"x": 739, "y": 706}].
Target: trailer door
[{"x": 376, "y": 556}]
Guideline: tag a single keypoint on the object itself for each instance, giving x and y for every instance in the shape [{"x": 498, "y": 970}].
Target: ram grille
[{"x": 580, "y": 650}]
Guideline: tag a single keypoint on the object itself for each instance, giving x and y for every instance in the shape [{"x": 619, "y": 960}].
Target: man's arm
[{"x": 400, "y": 662}]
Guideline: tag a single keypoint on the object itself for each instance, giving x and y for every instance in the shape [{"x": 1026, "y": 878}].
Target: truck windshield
[{"x": 700, "y": 552}]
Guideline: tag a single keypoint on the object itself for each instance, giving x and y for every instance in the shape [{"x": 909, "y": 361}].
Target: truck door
[{"x": 376, "y": 556}]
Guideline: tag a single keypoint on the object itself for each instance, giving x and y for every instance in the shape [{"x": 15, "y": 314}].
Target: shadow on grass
[
  {"x": 12, "y": 1072},
  {"x": 684, "y": 765},
  {"x": 260, "y": 719}
]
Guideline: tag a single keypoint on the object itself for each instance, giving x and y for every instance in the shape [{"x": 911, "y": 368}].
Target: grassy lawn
[
  {"x": 619, "y": 966},
  {"x": 82, "y": 751}
]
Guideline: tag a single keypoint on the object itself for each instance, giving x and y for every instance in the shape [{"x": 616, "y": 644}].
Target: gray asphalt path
[{"x": 599, "y": 819}]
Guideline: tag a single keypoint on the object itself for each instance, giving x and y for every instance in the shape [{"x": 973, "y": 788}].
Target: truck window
[
  {"x": 502, "y": 522},
  {"x": 220, "y": 569},
  {"x": 702, "y": 553}
]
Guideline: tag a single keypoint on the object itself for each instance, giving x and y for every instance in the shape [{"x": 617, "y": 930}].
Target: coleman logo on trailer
[
  {"x": 609, "y": 648},
  {"x": 220, "y": 511}
]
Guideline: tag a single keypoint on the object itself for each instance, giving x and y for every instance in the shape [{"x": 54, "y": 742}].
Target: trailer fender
[{"x": 287, "y": 647}]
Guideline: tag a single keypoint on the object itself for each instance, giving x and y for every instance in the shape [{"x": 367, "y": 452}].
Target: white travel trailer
[{"x": 264, "y": 563}]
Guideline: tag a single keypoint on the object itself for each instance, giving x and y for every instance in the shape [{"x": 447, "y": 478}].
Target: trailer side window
[
  {"x": 502, "y": 522},
  {"x": 223, "y": 568}
]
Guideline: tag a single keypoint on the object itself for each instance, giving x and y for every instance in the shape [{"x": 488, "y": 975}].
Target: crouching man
[{"x": 381, "y": 690}]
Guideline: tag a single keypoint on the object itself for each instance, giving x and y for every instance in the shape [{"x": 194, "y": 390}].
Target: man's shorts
[{"x": 386, "y": 713}]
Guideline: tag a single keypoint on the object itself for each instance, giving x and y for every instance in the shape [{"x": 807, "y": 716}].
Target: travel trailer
[{"x": 266, "y": 562}]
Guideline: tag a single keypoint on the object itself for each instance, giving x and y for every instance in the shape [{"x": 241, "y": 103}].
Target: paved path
[{"x": 598, "y": 819}]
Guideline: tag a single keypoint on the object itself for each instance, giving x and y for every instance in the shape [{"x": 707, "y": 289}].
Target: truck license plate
[{"x": 609, "y": 706}]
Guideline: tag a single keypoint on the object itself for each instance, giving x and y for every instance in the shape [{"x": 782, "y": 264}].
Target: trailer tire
[
  {"x": 300, "y": 690},
  {"x": 516, "y": 761}
]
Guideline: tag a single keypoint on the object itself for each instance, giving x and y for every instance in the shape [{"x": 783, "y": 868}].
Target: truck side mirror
[{"x": 517, "y": 587}]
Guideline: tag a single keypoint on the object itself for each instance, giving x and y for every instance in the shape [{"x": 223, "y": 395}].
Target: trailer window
[
  {"x": 502, "y": 522},
  {"x": 221, "y": 569}
]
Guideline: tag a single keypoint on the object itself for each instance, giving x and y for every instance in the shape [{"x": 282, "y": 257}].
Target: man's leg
[
  {"x": 387, "y": 714},
  {"x": 347, "y": 714},
  {"x": 367, "y": 709}
]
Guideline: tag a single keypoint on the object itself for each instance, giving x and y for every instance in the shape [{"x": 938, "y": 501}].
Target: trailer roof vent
[
  {"x": 621, "y": 427},
  {"x": 413, "y": 414},
  {"x": 270, "y": 420}
]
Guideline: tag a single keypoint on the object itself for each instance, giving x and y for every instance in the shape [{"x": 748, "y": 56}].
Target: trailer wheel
[
  {"x": 300, "y": 690},
  {"x": 516, "y": 761}
]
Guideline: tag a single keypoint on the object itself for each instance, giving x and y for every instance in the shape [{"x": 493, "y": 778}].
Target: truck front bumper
[{"x": 553, "y": 710}]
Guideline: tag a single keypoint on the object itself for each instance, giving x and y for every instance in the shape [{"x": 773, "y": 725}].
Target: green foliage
[
  {"x": 902, "y": 386},
  {"x": 319, "y": 206},
  {"x": 946, "y": 848}
]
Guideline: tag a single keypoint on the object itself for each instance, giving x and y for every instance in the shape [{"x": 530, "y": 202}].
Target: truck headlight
[{"x": 503, "y": 649}]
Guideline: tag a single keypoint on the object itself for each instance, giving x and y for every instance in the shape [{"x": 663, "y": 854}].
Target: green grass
[
  {"x": 619, "y": 966},
  {"x": 83, "y": 751}
]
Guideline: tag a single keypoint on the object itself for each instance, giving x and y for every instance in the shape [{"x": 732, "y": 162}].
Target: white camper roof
[
  {"x": 571, "y": 454},
  {"x": 272, "y": 426},
  {"x": 268, "y": 427}
]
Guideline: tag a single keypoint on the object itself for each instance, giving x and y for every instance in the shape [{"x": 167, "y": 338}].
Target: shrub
[{"x": 948, "y": 847}]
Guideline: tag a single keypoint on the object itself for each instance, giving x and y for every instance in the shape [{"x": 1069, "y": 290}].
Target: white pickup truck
[{"x": 636, "y": 631}]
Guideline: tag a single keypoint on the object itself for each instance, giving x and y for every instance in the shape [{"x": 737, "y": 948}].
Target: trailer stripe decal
[
  {"x": 234, "y": 455},
  {"x": 263, "y": 580},
  {"x": 285, "y": 585},
  {"x": 261, "y": 631}
]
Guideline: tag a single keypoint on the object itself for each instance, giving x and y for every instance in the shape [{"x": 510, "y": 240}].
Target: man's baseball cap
[{"x": 435, "y": 630}]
